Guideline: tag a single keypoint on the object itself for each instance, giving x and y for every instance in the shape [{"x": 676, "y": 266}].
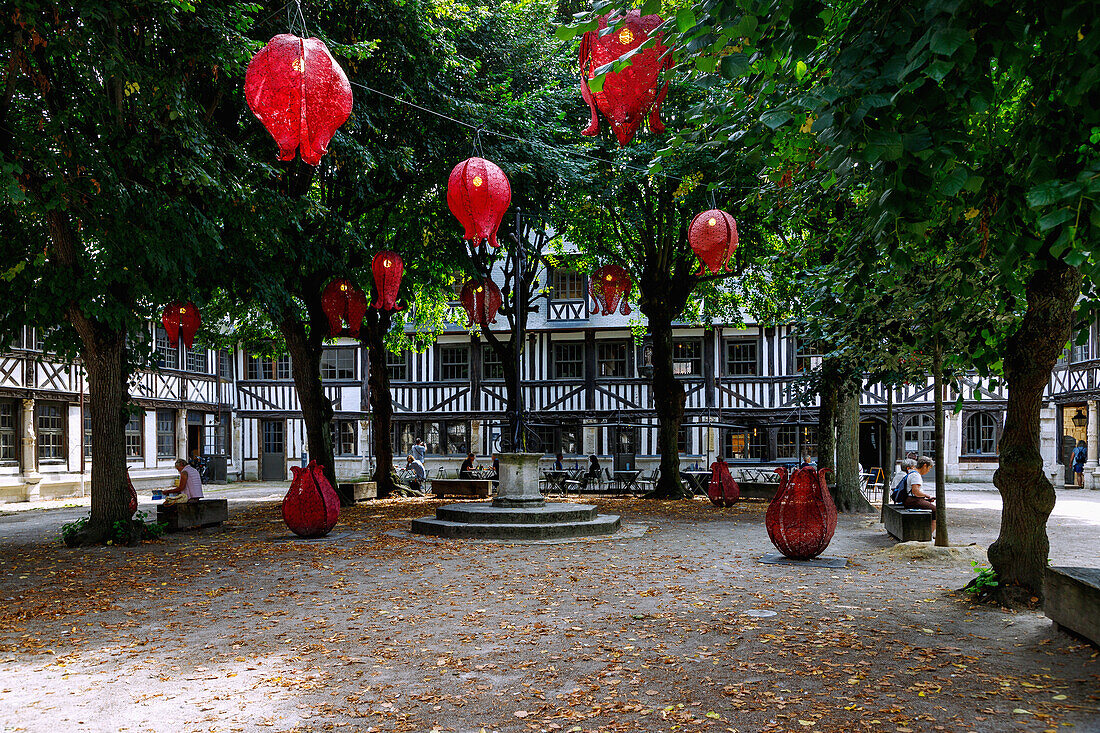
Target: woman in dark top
[
  {"x": 465, "y": 470},
  {"x": 593, "y": 474}
]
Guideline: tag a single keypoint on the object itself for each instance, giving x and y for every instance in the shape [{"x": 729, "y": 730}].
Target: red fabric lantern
[
  {"x": 628, "y": 96},
  {"x": 343, "y": 302},
  {"x": 310, "y": 507},
  {"x": 482, "y": 299},
  {"x": 608, "y": 287},
  {"x": 723, "y": 490},
  {"x": 387, "y": 268},
  {"x": 713, "y": 237},
  {"x": 300, "y": 94},
  {"x": 478, "y": 194},
  {"x": 132, "y": 505},
  {"x": 801, "y": 519},
  {"x": 181, "y": 320}
]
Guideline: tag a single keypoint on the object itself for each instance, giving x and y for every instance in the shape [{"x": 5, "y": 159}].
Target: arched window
[
  {"x": 981, "y": 434},
  {"x": 917, "y": 435}
]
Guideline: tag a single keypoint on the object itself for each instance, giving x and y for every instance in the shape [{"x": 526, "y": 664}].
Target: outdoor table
[
  {"x": 556, "y": 479},
  {"x": 696, "y": 480},
  {"x": 627, "y": 480}
]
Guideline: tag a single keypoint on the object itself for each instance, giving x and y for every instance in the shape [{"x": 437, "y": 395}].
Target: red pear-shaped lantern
[
  {"x": 478, "y": 194},
  {"x": 181, "y": 320},
  {"x": 630, "y": 95},
  {"x": 387, "y": 268},
  {"x": 300, "y": 94},
  {"x": 608, "y": 288},
  {"x": 723, "y": 490},
  {"x": 801, "y": 519},
  {"x": 310, "y": 507},
  {"x": 342, "y": 303},
  {"x": 713, "y": 237},
  {"x": 482, "y": 299}
]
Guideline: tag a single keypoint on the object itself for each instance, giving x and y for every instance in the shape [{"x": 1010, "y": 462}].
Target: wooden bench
[
  {"x": 193, "y": 514},
  {"x": 1071, "y": 599},
  {"x": 908, "y": 525},
  {"x": 462, "y": 487}
]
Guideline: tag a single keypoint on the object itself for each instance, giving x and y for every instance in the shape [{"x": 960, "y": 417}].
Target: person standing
[
  {"x": 420, "y": 451},
  {"x": 1080, "y": 453}
]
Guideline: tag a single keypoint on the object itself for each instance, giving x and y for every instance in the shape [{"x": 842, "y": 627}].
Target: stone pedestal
[
  {"x": 519, "y": 480},
  {"x": 1091, "y": 436}
]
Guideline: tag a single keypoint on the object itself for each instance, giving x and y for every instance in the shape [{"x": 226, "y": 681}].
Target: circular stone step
[
  {"x": 600, "y": 525},
  {"x": 489, "y": 514}
]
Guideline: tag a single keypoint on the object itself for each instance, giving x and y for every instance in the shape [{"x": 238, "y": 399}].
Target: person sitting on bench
[
  {"x": 189, "y": 487},
  {"x": 915, "y": 498}
]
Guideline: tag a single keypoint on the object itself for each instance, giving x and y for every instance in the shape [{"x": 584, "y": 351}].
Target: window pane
[
  {"x": 981, "y": 434},
  {"x": 7, "y": 431},
  {"x": 87, "y": 435},
  {"x": 457, "y": 442},
  {"x": 809, "y": 440},
  {"x": 166, "y": 433},
  {"x": 167, "y": 354},
  {"x": 569, "y": 360},
  {"x": 567, "y": 285},
  {"x": 918, "y": 436},
  {"x": 454, "y": 362},
  {"x": 398, "y": 366},
  {"x": 624, "y": 440},
  {"x": 343, "y": 438},
  {"x": 51, "y": 432},
  {"x": 404, "y": 434},
  {"x": 133, "y": 436},
  {"x": 570, "y": 440},
  {"x": 611, "y": 358},
  {"x": 338, "y": 364},
  {"x": 687, "y": 358},
  {"x": 683, "y": 439},
  {"x": 741, "y": 358},
  {"x": 785, "y": 442},
  {"x": 225, "y": 365},
  {"x": 282, "y": 368},
  {"x": 196, "y": 359},
  {"x": 491, "y": 365}
]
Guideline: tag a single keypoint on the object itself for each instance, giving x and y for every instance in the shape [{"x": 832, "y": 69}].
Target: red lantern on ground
[
  {"x": 482, "y": 299},
  {"x": 801, "y": 519},
  {"x": 300, "y": 94},
  {"x": 181, "y": 320},
  {"x": 343, "y": 302},
  {"x": 478, "y": 194},
  {"x": 723, "y": 490},
  {"x": 713, "y": 237},
  {"x": 630, "y": 95},
  {"x": 310, "y": 507},
  {"x": 387, "y": 268},
  {"x": 608, "y": 287}
]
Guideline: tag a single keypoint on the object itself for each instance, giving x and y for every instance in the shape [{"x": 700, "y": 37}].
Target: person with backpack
[
  {"x": 1080, "y": 453},
  {"x": 909, "y": 491}
]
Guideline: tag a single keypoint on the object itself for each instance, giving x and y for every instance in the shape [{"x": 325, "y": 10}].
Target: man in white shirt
[
  {"x": 418, "y": 473},
  {"x": 189, "y": 487}
]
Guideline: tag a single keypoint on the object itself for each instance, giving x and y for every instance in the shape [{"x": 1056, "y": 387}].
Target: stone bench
[
  {"x": 908, "y": 525},
  {"x": 193, "y": 514},
  {"x": 1071, "y": 599},
  {"x": 361, "y": 490},
  {"x": 462, "y": 487}
]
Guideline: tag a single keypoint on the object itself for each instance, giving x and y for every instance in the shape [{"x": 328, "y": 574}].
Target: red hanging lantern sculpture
[
  {"x": 310, "y": 507},
  {"x": 387, "y": 268},
  {"x": 181, "y": 320},
  {"x": 723, "y": 490},
  {"x": 713, "y": 237},
  {"x": 608, "y": 288},
  {"x": 299, "y": 93},
  {"x": 478, "y": 194},
  {"x": 630, "y": 95},
  {"x": 801, "y": 519},
  {"x": 343, "y": 302},
  {"x": 482, "y": 299}
]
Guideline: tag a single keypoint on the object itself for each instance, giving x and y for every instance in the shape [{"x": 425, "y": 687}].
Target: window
[
  {"x": 1080, "y": 352},
  {"x": 785, "y": 442},
  {"x": 344, "y": 442},
  {"x": 225, "y": 364},
  {"x": 624, "y": 440},
  {"x": 458, "y": 438},
  {"x": 51, "y": 431},
  {"x": 807, "y": 355},
  {"x": 683, "y": 439},
  {"x": 567, "y": 285},
  {"x": 133, "y": 436},
  {"x": 398, "y": 366},
  {"x": 569, "y": 360},
  {"x": 491, "y": 365},
  {"x": 455, "y": 434},
  {"x": 611, "y": 358},
  {"x": 7, "y": 431},
  {"x": 554, "y": 439},
  {"x": 744, "y": 445},
  {"x": 166, "y": 434},
  {"x": 403, "y": 435},
  {"x": 917, "y": 436},
  {"x": 454, "y": 362},
  {"x": 195, "y": 359},
  {"x": 809, "y": 440},
  {"x": 266, "y": 367},
  {"x": 338, "y": 364},
  {"x": 87, "y": 436},
  {"x": 741, "y": 357},
  {"x": 168, "y": 356},
  {"x": 687, "y": 358},
  {"x": 981, "y": 435},
  {"x": 570, "y": 443}
]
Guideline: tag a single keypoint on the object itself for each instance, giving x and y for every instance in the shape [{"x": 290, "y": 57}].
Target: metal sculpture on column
[
  {"x": 310, "y": 507},
  {"x": 801, "y": 519}
]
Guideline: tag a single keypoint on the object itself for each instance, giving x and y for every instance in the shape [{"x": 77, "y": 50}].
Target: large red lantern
[
  {"x": 801, "y": 519},
  {"x": 630, "y": 95},
  {"x": 387, "y": 268},
  {"x": 723, "y": 490},
  {"x": 478, "y": 194},
  {"x": 713, "y": 236},
  {"x": 181, "y": 320},
  {"x": 310, "y": 507},
  {"x": 482, "y": 299},
  {"x": 343, "y": 302},
  {"x": 300, "y": 94},
  {"x": 608, "y": 288}
]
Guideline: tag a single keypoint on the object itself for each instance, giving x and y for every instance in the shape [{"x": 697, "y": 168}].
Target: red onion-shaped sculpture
[
  {"x": 181, "y": 320},
  {"x": 478, "y": 194},
  {"x": 482, "y": 299},
  {"x": 629, "y": 96},
  {"x": 713, "y": 237},
  {"x": 723, "y": 490},
  {"x": 310, "y": 507},
  {"x": 132, "y": 505},
  {"x": 801, "y": 519},
  {"x": 387, "y": 268},
  {"x": 299, "y": 93},
  {"x": 608, "y": 288},
  {"x": 343, "y": 303}
]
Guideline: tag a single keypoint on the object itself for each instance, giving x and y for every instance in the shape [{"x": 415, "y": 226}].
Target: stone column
[
  {"x": 364, "y": 445},
  {"x": 181, "y": 434},
  {"x": 588, "y": 438},
  {"x": 31, "y": 477},
  {"x": 1092, "y": 467},
  {"x": 519, "y": 481},
  {"x": 1048, "y": 444}
]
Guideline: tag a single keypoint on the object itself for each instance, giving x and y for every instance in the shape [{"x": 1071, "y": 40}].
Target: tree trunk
[
  {"x": 848, "y": 496},
  {"x": 888, "y": 469},
  {"x": 826, "y": 426},
  {"x": 1019, "y": 555},
  {"x": 940, "y": 459},
  {"x": 504, "y": 349},
  {"x": 375, "y": 327},
  {"x": 669, "y": 398}
]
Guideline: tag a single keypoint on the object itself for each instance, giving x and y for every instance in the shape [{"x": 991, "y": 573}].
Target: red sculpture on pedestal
[
  {"x": 713, "y": 237},
  {"x": 628, "y": 96},
  {"x": 300, "y": 94},
  {"x": 387, "y": 268},
  {"x": 801, "y": 519},
  {"x": 310, "y": 507},
  {"x": 608, "y": 287},
  {"x": 482, "y": 299},
  {"x": 723, "y": 490},
  {"x": 181, "y": 320},
  {"x": 132, "y": 505},
  {"x": 478, "y": 194},
  {"x": 343, "y": 302}
]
